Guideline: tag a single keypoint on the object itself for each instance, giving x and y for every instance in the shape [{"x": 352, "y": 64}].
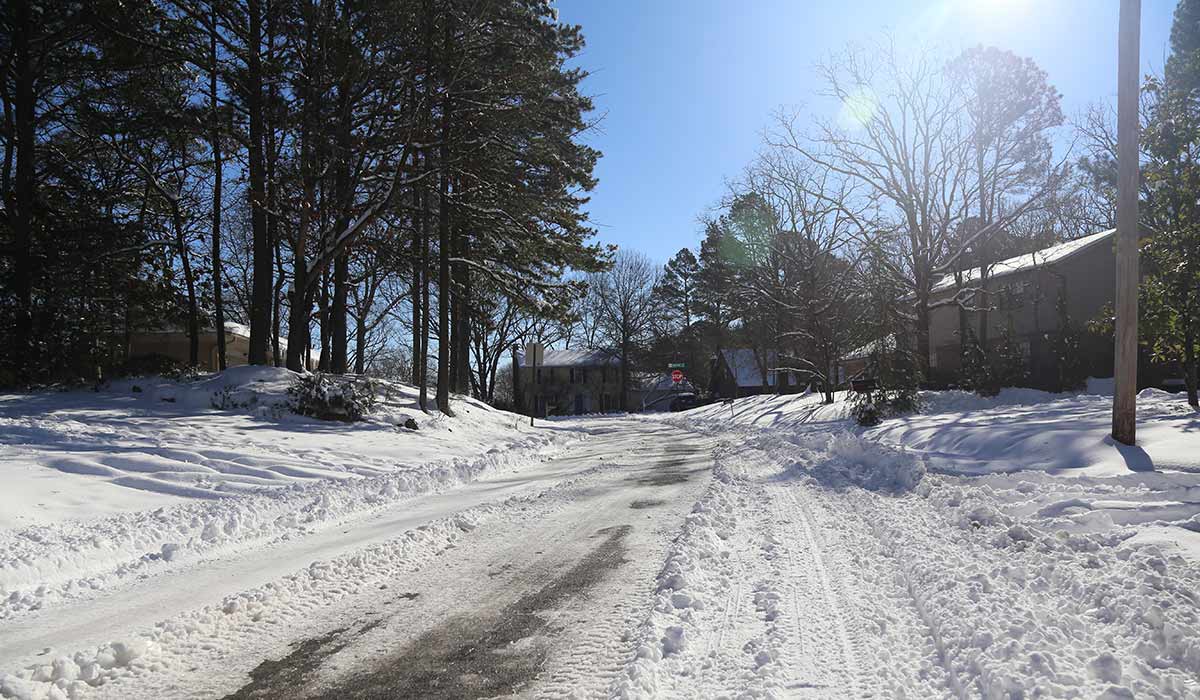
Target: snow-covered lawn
[
  {"x": 148, "y": 480},
  {"x": 1035, "y": 453},
  {"x": 983, "y": 548}
]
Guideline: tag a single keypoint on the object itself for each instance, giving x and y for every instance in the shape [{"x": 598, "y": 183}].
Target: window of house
[
  {"x": 538, "y": 375},
  {"x": 583, "y": 375},
  {"x": 572, "y": 375}
]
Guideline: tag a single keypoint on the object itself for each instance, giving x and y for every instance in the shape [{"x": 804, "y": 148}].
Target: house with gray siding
[
  {"x": 568, "y": 382},
  {"x": 1029, "y": 297}
]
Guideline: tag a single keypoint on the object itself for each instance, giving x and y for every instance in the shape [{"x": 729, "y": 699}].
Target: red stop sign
[{"x": 677, "y": 375}]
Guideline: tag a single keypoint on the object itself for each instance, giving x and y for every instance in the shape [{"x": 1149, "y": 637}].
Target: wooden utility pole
[{"x": 1124, "y": 423}]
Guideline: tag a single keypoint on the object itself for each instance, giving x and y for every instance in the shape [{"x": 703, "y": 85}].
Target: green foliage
[
  {"x": 871, "y": 408},
  {"x": 344, "y": 398},
  {"x": 152, "y": 365},
  {"x": 976, "y": 372},
  {"x": 1170, "y": 292},
  {"x": 1010, "y": 362}
]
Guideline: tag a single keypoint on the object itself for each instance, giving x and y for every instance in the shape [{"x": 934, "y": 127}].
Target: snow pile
[
  {"x": 853, "y": 460},
  {"x": 1061, "y": 570},
  {"x": 1019, "y": 610},
  {"x": 103, "y": 487},
  {"x": 277, "y": 604},
  {"x": 1055, "y": 434},
  {"x": 1019, "y": 429},
  {"x": 259, "y": 388},
  {"x": 696, "y": 571},
  {"x": 43, "y": 565}
]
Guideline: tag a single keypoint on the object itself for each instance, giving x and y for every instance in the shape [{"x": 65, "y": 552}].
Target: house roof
[
  {"x": 1028, "y": 261},
  {"x": 574, "y": 358},
  {"x": 743, "y": 363},
  {"x": 885, "y": 344},
  {"x": 234, "y": 329}
]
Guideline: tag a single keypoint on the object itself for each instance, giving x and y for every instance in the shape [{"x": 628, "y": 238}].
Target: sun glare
[
  {"x": 997, "y": 10},
  {"x": 857, "y": 109}
]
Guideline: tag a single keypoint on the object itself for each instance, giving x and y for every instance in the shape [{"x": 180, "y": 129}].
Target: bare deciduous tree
[{"x": 624, "y": 304}]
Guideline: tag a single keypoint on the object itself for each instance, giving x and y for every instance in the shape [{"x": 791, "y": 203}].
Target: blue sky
[{"x": 686, "y": 86}]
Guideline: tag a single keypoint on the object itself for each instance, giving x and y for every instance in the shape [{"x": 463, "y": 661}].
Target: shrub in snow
[
  {"x": 328, "y": 397},
  {"x": 872, "y": 407}
]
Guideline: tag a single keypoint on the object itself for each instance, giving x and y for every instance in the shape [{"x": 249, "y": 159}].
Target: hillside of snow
[
  {"x": 106, "y": 486},
  {"x": 1032, "y": 453}
]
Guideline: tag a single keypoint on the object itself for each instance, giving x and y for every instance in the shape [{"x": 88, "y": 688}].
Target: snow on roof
[
  {"x": 239, "y": 329},
  {"x": 1028, "y": 261},
  {"x": 574, "y": 358},
  {"x": 886, "y": 343},
  {"x": 743, "y": 363}
]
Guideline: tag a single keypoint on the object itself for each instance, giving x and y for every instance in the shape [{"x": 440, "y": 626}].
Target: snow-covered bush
[
  {"x": 155, "y": 365},
  {"x": 872, "y": 407},
  {"x": 331, "y": 397}
]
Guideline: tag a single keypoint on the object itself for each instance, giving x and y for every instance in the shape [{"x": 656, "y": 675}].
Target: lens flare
[{"x": 858, "y": 108}]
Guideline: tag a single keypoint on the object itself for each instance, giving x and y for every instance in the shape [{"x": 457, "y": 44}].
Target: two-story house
[
  {"x": 568, "y": 382},
  {"x": 1028, "y": 297}
]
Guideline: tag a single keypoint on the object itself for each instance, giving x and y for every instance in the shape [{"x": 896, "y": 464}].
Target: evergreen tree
[{"x": 1171, "y": 289}]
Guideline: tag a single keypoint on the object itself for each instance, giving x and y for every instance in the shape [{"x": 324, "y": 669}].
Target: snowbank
[
  {"x": 1035, "y": 583},
  {"x": 1019, "y": 429},
  {"x": 696, "y": 571},
  {"x": 168, "y": 479}
]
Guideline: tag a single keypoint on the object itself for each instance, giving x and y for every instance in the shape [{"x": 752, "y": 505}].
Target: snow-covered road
[
  {"x": 560, "y": 554},
  {"x": 541, "y": 601},
  {"x": 677, "y": 556}
]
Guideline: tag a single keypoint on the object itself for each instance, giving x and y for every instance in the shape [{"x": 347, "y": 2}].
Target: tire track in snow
[
  {"x": 827, "y": 589},
  {"x": 804, "y": 671}
]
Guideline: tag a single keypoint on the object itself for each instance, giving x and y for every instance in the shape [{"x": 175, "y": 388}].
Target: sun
[{"x": 998, "y": 9}]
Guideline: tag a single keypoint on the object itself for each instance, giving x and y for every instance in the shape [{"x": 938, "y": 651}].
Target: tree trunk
[
  {"x": 463, "y": 333},
  {"x": 189, "y": 281},
  {"x": 422, "y": 359},
  {"x": 263, "y": 255},
  {"x": 218, "y": 304},
  {"x": 444, "y": 293},
  {"x": 25, "y": 189},
  {"x": 416, "y": 287},
  {"x": 339, "y": 355},
  {"x": 518, "y": 390},
  {"x": 626, "y": 399},
  {"x": 982, "y": 302},
  {"x": 360, "y": 343},
  {"x": 277, "y": 294},
  {"x": 922, "y": 364},
  {"x": 1189, "y": 366},
  {"x": 445, "y": 296},
  {"x": 343, "y": 191},
  {"x": 323, "y": 322},
  {"x": 454, "y": 310}
]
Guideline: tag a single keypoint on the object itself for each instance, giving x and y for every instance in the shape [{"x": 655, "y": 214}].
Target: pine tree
[{"x": 1171, "y": 290}]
